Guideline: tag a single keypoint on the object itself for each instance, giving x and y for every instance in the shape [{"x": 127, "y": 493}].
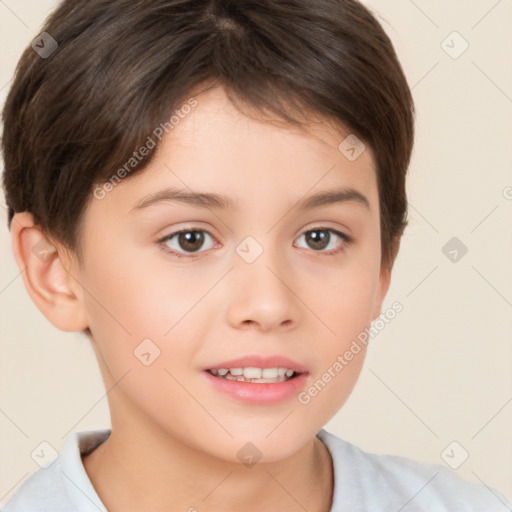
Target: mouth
[
  {"x": 255, "y": 375},
  {"x": 258, "y": 379},
  {"x": 255, "y": 385}
]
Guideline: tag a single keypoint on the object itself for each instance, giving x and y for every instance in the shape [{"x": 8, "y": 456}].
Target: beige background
[{"x": 441, "y": 370}]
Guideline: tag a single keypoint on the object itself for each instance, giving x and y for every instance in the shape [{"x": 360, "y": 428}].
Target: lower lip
[{"x": 258, "y": 393}]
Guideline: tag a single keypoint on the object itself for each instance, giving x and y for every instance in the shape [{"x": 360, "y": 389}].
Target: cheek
[
  {"x": 135, "y": 293},
  {"x": 345, "y": 307},
  {"x": 350, "y": 304},
  {"x": 131, "y": 308},
  {"x": 345, "y": 303},
  {"x": 144, "y": 318},
  {"x": 330, "y": 388}
]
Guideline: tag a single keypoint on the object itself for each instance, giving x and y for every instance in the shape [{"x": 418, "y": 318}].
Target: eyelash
[{"x": 333, "y": 252}]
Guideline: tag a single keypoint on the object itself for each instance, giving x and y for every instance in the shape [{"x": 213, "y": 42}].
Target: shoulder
[
  {"x": 368, "y": 481},
  {"x": 62, "y": 486},
  {"x": 42, "y": 490}
]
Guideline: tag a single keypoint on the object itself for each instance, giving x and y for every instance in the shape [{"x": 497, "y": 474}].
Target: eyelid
[
  {"x": 193, "y": 226},
  {"x": 341, "y": 230}
]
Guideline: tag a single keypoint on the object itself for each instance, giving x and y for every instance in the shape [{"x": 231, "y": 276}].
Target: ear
[
  {"x": 52, "y": 286},
  {"x": 385, "y": 279}
]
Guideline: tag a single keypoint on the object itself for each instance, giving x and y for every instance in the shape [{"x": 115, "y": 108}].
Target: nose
[{"x": 263, "y": 295}]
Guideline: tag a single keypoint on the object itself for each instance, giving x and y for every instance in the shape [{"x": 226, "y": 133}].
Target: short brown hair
[{"x": 122, "y": 67}]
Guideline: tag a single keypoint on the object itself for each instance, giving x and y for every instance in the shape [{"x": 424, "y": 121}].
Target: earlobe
[{"x": 49, "y": 283}]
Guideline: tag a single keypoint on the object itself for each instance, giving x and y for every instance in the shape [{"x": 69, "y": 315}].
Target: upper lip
[{"x": 257, "y": 361}]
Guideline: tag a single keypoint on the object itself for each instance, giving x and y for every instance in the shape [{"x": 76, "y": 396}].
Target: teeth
[
  {"x": 252, "y": 373},
  {"x": 255, "y": 375},
  {"x": 269, "y": 373}
]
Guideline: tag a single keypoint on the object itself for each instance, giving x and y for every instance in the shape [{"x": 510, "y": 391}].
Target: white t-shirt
[{"x": 362, "y": 482}]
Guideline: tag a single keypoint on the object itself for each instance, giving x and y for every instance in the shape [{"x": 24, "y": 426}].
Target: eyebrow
[{"x": 219, "y": 201}]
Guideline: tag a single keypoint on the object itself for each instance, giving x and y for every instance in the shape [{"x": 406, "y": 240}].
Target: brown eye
[
  {"x": 320, "y": 239},
  {"x": 185, "y": 241},
  {"x": 190, "y": 240}
]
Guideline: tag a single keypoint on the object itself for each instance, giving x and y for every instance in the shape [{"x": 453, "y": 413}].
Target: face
[{"x": 264, "y": 275}]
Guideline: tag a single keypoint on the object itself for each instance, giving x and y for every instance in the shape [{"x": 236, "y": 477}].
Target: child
[{"x": 214, "y": 193}]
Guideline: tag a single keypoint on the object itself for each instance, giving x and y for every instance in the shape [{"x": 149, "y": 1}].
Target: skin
[{"x": 293, "y": 300}]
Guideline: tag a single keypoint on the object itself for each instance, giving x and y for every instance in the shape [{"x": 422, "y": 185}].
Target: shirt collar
[{"x": 76, "y": 480}]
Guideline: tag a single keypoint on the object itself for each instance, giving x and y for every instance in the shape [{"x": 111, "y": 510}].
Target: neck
[{"x": 147, "y": 469}]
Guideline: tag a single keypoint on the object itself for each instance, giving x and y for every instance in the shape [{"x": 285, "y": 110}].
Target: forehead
[
  {"x": 214, "y": 115},
  {"x": 214, "y": 147}
]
